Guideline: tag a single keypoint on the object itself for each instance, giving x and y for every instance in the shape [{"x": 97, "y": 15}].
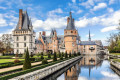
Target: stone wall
[{"x": 42, "y": 73}]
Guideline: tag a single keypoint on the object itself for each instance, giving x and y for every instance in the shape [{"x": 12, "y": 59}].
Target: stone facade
[{"x": 24, "y": 35}]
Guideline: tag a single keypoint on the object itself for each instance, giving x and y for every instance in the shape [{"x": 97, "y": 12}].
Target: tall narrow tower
[
  {"x": 23, "y": 34},
  {"x": 70, "y": 36},
  {"x": 89, "y": 39}
]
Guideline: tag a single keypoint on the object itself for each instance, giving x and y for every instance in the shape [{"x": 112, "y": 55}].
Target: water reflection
[{"x": 87, "y": 68}]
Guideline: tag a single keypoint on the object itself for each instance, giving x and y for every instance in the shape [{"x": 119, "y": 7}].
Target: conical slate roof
[
  {"x": 70, "y": 25},
  {"x": 26, "y": 22}
]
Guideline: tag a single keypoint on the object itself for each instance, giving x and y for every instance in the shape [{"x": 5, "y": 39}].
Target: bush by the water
[{"x": 44, "y": 61}]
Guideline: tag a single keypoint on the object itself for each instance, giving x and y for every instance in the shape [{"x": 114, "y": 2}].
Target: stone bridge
[{"x": 42, "y": 73}]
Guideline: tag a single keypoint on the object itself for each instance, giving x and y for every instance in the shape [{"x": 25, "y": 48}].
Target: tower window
[
  {"x": 17, "y": 38},
  {"x": 71, "y": 31},
  {"x": 17, "y": 44},
  {"x": 24, "y": 44},
  {"x": 73, "y": 44},
  {"x": 24, "y": 38},
  {"x": 72, "y": 37},
  {"x": 17, "y": 51}
]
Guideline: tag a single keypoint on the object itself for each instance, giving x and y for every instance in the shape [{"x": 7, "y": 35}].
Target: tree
[
  {"x": 78, "y": 53},
  {"x": 66, "y": 55},
  {"x": 42, "y": 57},
  {"x": 59, "y": 54},
  {"x": 69, "y": 54},
  {"x": 27, "y": 63},
  {"x": 55, "y": 57}
]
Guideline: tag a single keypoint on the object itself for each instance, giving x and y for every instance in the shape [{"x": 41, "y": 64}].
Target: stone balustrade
[{"x": 42, "y": 73}]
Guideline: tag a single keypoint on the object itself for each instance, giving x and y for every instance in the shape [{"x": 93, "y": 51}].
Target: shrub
[
  {"x": 59, "y": 54},
  {"x": 62, "y": 54},
  {"x": 27, "y": 63},
  {"x": 16, "y": 61},
  {"x": 32, "y": 59},
  {"x": 38, "y": 59},
  {"x": 78, "y": 53},
  {"x": 61, "y": 58},
  {"x": 55, "y": 57},
  {"x": 44, "y": 61},
  {"x": 75, "y": 54},
  {"x": 49, "y": 55},
  {"x": 41, "y": 53},
  {"x": 66, "y": 55},
  {"x": 42, "y": 57},
  {"x": 69, "y": 54}
]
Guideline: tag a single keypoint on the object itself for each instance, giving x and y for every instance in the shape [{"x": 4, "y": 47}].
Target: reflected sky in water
[{"x": 87, "y": 70}]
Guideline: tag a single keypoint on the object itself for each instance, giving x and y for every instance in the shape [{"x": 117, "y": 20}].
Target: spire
[
  {"x": 89, "y": 36},
  {"x": 70, "y": 22}
]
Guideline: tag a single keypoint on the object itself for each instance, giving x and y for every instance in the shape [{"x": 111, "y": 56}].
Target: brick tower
[{"x": 70, "y": 36}]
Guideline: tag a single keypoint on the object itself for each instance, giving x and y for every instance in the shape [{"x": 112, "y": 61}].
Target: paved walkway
[{"x": 20, "y": 66}]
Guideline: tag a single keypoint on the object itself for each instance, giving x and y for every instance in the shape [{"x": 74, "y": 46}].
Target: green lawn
[
  {"x": 115, "y": 53},
  {"x": 118, "y": 60},
  {"x": 6, "y": 57},
  {"x": 8, "y": 60}
]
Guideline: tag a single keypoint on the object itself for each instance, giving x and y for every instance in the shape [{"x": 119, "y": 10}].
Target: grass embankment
[
  {"x": 115, "y": 53},
  {"x": 116, "y": 60}
]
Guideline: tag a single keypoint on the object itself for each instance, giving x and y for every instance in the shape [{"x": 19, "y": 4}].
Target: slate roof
[
  {"x": 60, "y": 38},
  {"x": 38, "y": 42},
  {"x": 70, "y": 25},
  {"x": 26, "y": 22},
  {"x": 87, "y": 43}
]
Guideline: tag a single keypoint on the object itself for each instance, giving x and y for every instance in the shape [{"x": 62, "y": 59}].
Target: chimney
[
  {"x": 68, "y": 20},
  {"x": 20, "y": 18},
  {"x": 43, "y": 33}
]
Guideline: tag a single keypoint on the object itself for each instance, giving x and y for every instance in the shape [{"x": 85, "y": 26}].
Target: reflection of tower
[
  {"x": 89, "y": 70},
  {"x": 72, "y": 74}
]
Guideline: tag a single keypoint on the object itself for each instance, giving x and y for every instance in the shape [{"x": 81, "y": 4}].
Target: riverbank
[{"x": 115, "y": 62}]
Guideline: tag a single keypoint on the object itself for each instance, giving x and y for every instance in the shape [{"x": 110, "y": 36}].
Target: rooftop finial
[{"x": 89, "y": 36}]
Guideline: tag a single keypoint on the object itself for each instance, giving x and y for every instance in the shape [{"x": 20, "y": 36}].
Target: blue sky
[{"x": 100, "y": 16}]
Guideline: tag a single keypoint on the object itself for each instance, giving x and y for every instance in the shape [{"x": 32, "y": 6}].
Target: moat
[{"x": 87, "y": 68}]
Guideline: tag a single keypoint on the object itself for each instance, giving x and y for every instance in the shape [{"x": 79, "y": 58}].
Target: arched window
[
  {"x": 24, "y": 38},
  {"x": 71, "y": 31}
]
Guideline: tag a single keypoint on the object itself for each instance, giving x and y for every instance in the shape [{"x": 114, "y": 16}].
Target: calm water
[{"x": 87, "y": 68}]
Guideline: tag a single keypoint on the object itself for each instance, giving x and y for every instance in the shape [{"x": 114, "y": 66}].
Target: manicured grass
[
  {"x": 8, "y": 60},
  {"x": 2, "y": 57},
  {"x": 118, "y": 60},
  {"x": 115, "y": 53}
]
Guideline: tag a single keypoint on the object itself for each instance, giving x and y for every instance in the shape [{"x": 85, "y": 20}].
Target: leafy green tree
[
  {"x": 66, "y": 55},
  {"x": 27, "y": 63},
  {"x": 55, "y": 57},
  {"x": 62, "y": 54},
  {"x": 44, "y": 61}
]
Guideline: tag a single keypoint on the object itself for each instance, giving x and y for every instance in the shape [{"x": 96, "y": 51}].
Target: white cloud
[
  {"x": 73, "y": 1},
  {"x": 110, "y": 10},
  {"x": 106, "y": 20},
  {"x": 88, "y": 3},
  {"x": 82, "y": 78},
  {"x": 2, "y": 7},
  {"x": 50, "y": 23},
  {"x": 53, "y": 12},
  {"x": 79, "y": 11},
  {"x": 99, "y": 6},
  {"x": 111, "y": 2},
  {"x": 2, "y": 21},
  {"x": 106, "y": 29},
  {"x": 108, "y": 74}
]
